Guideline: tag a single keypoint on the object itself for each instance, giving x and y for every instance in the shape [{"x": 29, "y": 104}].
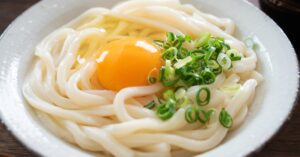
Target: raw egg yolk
[{"x": 127, "y": 63}]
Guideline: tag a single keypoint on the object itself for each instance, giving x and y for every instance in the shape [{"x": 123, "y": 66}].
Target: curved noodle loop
[{"x": 64, "y": 90}]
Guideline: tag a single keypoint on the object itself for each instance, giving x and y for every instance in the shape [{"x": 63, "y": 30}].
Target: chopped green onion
[
  {"x": 167, "y": 75},
  {"x": 234, "y": 55},
  {"x": 183, "y": 53},
  {"x": 159, "y": 43},
  {"x": 196, "y": 66},
  {"x": 181, "y": 97},
  {"x": 183, "y": 102},
  {"x": 169, "y": 83},
  {"x": 198, "y": 51},
  {"x": 168, "y": 94},
  {"x": 159, "y": 100},
  {"x": 170, "y": 71},
  {"x": 204, "y": 116},
  {"x": 208, "y": 76},
  {"x": 191, "y": 114},
  {"x": 180, "y": 93},
  {"x": 150, "y": 105},
  {"x": 209, "y": 54},
  {"x": 210, "y": 112},
  {"x": 212, "y": 64},
  {"x": 224, "y": 61},
  {"x": 183, "y": 62},
  {"x": 197, "y": 56},
  {"x": 188, "y": 38},
  {"x": 166, "y": 110},
  {"x": 192, "y": 79},
  {"x": 220, "y": 39},
  {"x": 225, "y": 118},
  {"x": 152, "y": 80},
  {"x": 203, "y": 96},
  {"x": 163, "y": 79},
  {"x": 203, "y": 39},
  {"x": 166, "y": 82},
  {"x": 170, "y": 54},
  {"x": 190, "y": 66},
  {"x": 170, "y": 37}
]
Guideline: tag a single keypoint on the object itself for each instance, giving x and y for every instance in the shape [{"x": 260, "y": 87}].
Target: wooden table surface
[{"x": 286, "y": 143}]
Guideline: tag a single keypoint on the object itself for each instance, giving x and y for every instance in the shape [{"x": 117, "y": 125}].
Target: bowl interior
[{"x": 277, "y": 63}]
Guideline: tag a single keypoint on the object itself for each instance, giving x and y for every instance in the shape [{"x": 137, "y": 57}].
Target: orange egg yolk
[{"x": 127, "y": 63}]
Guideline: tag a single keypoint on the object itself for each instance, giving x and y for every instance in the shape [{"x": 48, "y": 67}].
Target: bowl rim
[
  {"x": 34, "y": 150},
  {"x": 7, "y": 128}
]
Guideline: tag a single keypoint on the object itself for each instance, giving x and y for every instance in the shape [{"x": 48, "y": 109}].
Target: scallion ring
[
  {"x": 224, "y": 61},
  {"x": 209, "y": 53},
  {"x": 183, "y": 62},
  {"x": 166, "y": 110},
  {"x": 159, "y": 43},
  {"x": 234, "y": 55},
  {"x": 204, "y": 116},
  {"x": 203, "y": 96},
  {"x": 152, "y": 80},
  {"x": 170, "y": 54},
  {"x": 208, "y": 76},
  {"x": 212, "y": 64},
  {"x": 169, "y": 71},
  {"x": 168, "y": 94},
  {"x": 170, "y": 37},
  {"x": 180, "y": 93},
  {"x": 225, "y": 118},
  {"x": 163, "y": 78},
  {"x": 191, "y": 115}
]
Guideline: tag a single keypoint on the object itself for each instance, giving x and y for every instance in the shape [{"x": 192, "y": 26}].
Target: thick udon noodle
[{"x": 69, "y": 100}]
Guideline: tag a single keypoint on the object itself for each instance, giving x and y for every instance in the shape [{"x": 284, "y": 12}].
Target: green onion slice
[
  {"x": 181, "y": 97},
  {"x": 191, "y": 114},
  {"x": 204, "y": 116},
  {"x": 169, "y": 71},
  {"x": 170, "y": 37},
  {"x": 203, "y": 39},
  {"x": 180, "y": 93},
  {"x": 212, "y": 64},
  {"x": 164, "y": 78},
  {"x": 168, "y": 94},
  {"x": 209, "y": 53},
  {"x": 234, "y": 55},
  {"x": 166, "y": 110},
  {"x": 224, "y": 61},
  {"x": 152, "y": 80},
  {"x": 187, "y": 66},
  {"x": 159, "y": 43},
  {"x": 208, "y": 76},
  {"x": 203, "y": 96},
  {"x": 150, "y": 105},
  {"x": 188, "y": 38},
  {"x": 170, "y": 54},
  {"x": 225, "y": 118},
  {"x": 183, "y": 62}
]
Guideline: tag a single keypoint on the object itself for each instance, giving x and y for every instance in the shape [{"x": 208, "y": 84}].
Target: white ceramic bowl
[{"x": 273, "y": 103}]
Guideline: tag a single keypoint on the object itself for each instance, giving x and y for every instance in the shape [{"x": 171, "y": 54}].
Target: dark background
[{"x": 286, "y": 143}]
